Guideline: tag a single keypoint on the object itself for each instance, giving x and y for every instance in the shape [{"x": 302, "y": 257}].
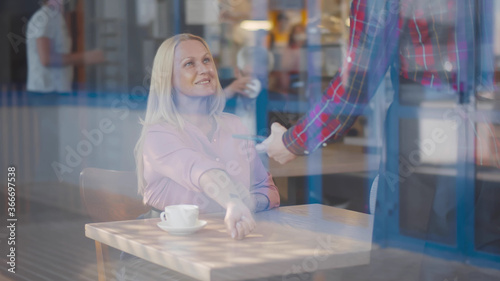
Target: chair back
[{"x": 110, "y": 195}]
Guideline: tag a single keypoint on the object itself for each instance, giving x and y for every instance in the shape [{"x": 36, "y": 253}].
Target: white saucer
[{"x": 182, "y": 230}]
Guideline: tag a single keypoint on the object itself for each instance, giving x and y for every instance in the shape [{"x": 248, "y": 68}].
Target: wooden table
[{"x": 287, "y": 240}]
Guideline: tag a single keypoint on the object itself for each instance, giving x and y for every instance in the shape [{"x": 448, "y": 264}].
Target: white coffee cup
[{"x": 180, "y": 215}]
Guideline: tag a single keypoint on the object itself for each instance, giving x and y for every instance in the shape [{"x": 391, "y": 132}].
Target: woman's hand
[
  {"x": 239, "y": 220},
  {"x": 218, "y": 185}
]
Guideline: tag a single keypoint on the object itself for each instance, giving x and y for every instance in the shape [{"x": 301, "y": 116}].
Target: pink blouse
[{"x": 174, "y": 160}]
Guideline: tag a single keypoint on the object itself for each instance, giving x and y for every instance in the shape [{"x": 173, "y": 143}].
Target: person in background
[
  {"x": 243, "y": 93},
  {"x": 279, "y": 35},
  {"x": 295, "y": 63},
  {"x": 429, "y": 48},
  {"x": 50, "y": 75},
  {"x": 50, "y": 60},
  {"x": 373, "y": 56}
]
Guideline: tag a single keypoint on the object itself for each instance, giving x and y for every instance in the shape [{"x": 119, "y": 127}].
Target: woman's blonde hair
[{"x": 161, "y": 106}]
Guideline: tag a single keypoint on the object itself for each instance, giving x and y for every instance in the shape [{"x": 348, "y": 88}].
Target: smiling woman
[{"x": 186, "y": 154}]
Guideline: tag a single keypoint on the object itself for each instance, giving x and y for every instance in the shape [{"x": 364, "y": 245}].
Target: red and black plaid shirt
[{"x": 426, "y": 39}]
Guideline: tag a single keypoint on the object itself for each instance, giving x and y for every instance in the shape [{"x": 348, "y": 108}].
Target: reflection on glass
[
  {"x": 427, "y": 169},
  {"x": 487, "y": 195}
]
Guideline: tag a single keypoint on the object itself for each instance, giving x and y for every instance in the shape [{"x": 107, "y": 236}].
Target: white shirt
[{"x": 50, "y": 24}]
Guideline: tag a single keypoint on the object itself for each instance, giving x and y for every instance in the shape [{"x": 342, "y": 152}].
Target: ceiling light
[{"x": 254, "y": 25}]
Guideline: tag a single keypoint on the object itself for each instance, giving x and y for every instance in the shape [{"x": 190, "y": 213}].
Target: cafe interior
[{"x": 409, "y": 191}]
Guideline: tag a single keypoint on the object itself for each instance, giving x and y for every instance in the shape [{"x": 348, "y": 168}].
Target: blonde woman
[{"x": 186, "y": 153}]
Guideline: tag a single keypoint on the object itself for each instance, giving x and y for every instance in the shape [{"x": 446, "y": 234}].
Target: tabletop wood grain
[{"x": 287, "y": 240}]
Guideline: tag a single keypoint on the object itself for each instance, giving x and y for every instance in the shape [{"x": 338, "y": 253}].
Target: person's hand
[
  {"x": 237, "y": 86},
  {"x": 94, "y": 57},
  {"x": 239, "y": 220},
  {"x": 274, "y": 145}
]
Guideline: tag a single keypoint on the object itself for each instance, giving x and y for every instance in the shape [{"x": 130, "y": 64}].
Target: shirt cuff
[
  {"x": 263, "y": 204},
  {"x": 293, "y": 144}
]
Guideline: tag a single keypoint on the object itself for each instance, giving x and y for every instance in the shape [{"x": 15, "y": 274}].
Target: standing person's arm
[
  {"x": 50, "y": 58},
  {"x": 373, "y": 44},
  {"x": 45, "y": 28},
  {"x": 238, "y": 85}
]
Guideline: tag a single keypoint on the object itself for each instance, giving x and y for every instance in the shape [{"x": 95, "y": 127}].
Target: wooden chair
[{"x": 109, "y": 195}]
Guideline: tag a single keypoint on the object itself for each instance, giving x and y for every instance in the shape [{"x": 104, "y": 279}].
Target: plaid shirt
[{"x": 427, "y": 41}]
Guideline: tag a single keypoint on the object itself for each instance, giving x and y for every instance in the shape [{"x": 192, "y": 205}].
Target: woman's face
[{"x": 194, "y": 70}]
